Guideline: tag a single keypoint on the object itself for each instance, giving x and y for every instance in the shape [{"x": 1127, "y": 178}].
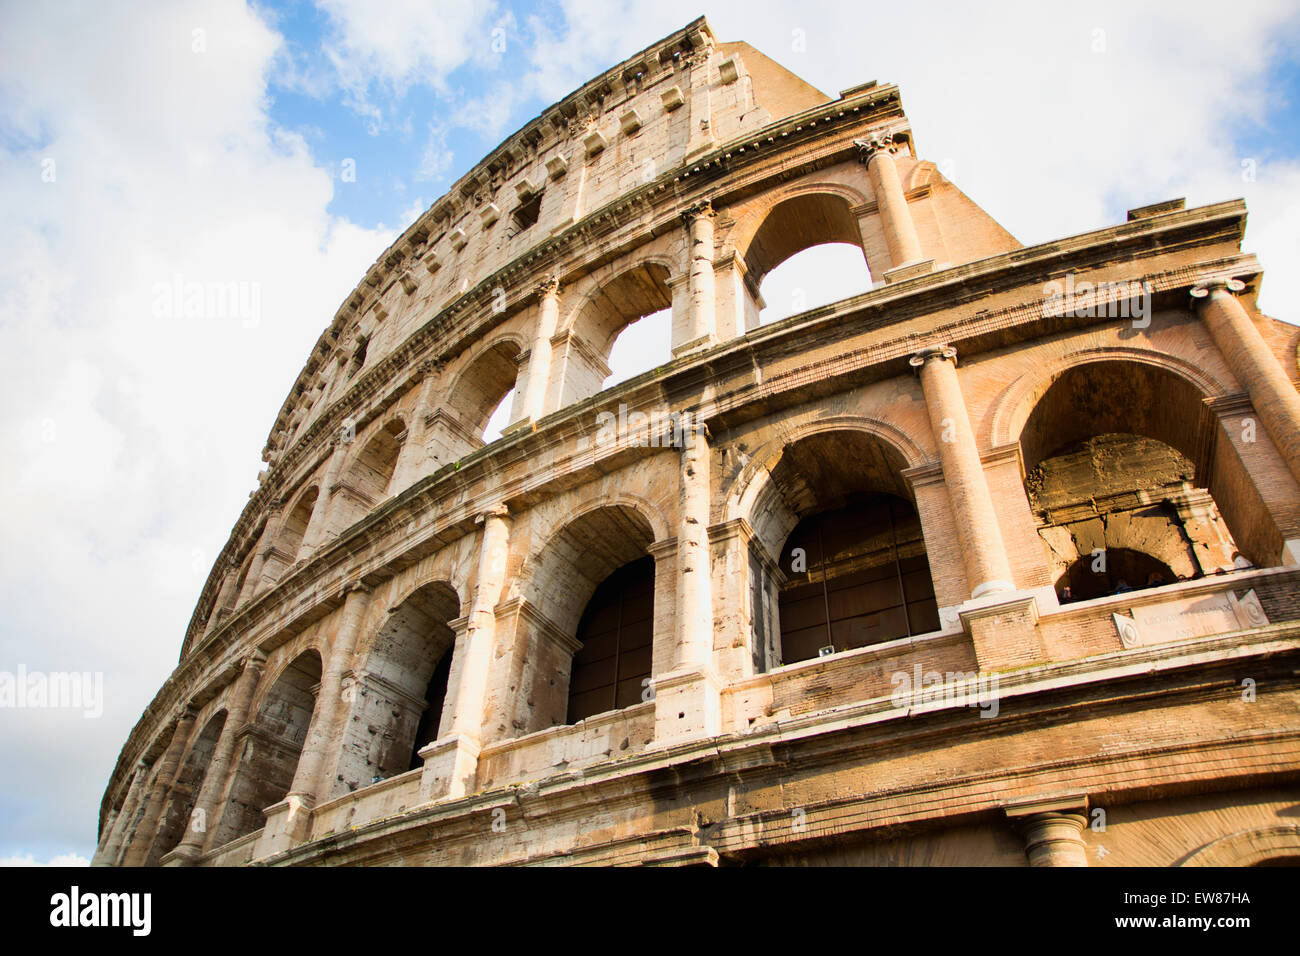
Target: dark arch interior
[
  {"x": 857, "y": 575},
  {"x": 617, "y": 636},
  {"x": 1124, "y": 570},
  {"x": 269, "y": 755}
]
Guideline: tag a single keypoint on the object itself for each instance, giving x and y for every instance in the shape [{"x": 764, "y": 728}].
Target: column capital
[
  {"x": 703, "y": 209},
  {"x": 918, "y": 360},
  {"x": 255, "y": 658},
  {"x": 877, "y": 141},
  {"x": 492, "y": 511},
  {"x": 548, "y": 287},
  {"x": 1207, "y": 287}
]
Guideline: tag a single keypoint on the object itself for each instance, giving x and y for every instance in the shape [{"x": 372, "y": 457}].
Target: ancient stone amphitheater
[{"x": 995, "y": 562}]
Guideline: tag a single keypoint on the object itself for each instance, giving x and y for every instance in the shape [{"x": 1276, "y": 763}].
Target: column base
[
  {"x": 909, "y": 270},
  {"x": 688, "y": 706},
  {"x": 1004, "y": 629},
  {"x": 695, "y": 345},
  {"x": 450, "y": 768},
  {"x": 288, "y": 824}
]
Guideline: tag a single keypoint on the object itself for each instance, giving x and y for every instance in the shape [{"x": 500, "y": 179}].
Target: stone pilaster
[
  {"x": 987, "y": 568},
  {"x": 700, "y": 330},
  {"x": 217, "y": 781},
  {"x": 318, "y": 524},
  {"x": 137, "y": 851},
  {"x": 413, "y": 455},
  {"x": 687, "y": 699},
  {"x": 112, "y": 850},
  {"x": 533, "y": 400},
  {"x": 1253, "y": 363},
  {"x": 1052, "y": 829},
  {"x": 451, "y": 763}
]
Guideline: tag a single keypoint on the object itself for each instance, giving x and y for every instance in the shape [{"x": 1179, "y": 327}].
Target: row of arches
[
  {"x": 1123, "y": 457},
  {"x": 809, "y": 244}
]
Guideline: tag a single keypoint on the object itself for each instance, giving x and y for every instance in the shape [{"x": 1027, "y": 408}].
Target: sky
[{"x": 277, "y": 149}]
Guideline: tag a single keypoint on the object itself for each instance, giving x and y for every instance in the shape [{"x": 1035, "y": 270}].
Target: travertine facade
[{"x": 600, "y": 640}]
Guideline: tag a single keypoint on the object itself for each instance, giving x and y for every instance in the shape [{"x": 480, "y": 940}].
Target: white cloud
[{"x": 134, "y": 435}]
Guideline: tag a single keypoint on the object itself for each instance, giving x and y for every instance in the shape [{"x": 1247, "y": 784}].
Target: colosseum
[{"x": 993, "y": 563}]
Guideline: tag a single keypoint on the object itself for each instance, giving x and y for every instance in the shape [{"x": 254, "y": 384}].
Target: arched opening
[
  {"x": 850, "y": 569},
  {"x": 635, "y": 305},
  {"x": 1113, "y": 571},
  {"x": 865, "y": 579},
  {"x": 364, "y": 483},
  {"x": 295, "y": 524},
  {"x": 594, "y": 581},
  {"x": 1122, "y": 468},
  {"x": 814, "y": 277},
  {"x": 481, "y": 388},
  {"x": 616, "y": 631},
  {"x": 271, "y": 747},
  {"x": 808, "y": 252},
  {"x": 180, "y": 803},
  {"x": 400, "y": 693},
  {"x": 370, "y": 472}
]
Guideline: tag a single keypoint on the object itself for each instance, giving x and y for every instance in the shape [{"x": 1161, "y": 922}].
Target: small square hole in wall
[{"x": 527, "y": 212}]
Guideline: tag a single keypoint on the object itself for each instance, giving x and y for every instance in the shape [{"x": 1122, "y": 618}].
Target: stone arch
[
  {"x": 189, "y": 781},
  {"x": 1253, "y": 847},
  {"x": 1017, "y": 401},
  {"x": 365, "y": 480},
  {"x": 576, "y": 556},
  {"x": 271, "y": 746},
  {"x": 1120, "y": 449},
  {"x": 794, "y": 219},
  {"x": 397, "y": 699},
  {"x": 603, "y": 305},
  {"x": 838, "y": 556},
  {"x": 755, "y": 477},
  {"x": 293, "y": 528},
  {"x": 478, "y": 388}
]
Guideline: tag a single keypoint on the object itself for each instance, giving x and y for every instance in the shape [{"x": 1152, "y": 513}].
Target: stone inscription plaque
[{"x": 1184, "y": 618}]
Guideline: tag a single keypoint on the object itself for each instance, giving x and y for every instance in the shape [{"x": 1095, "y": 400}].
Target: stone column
[
  {"x": 877, "y": 152},
  {"x": 221, "y": 770},
  {"x": 412, "y": 456},
  {"x": 130, "y": 804},
  {"x": 1055, "y": 839},
  {"x": 225, "y": 601},
  {"x": 309, "y": 781},
  {"x": 533, "y": 401},
  {"x": 137, "y": 851},
  {"x": 318, "y": 523},
  {"x": 1253, "y": 363},
  {"x": 694, "y": 589},
  {"x": 265, "y": 546},
  {"x": 987, "y": 568},
  {"x": 700, "y": 330},
  {"x": 687, "y": 698},
  {"x": 451, "y": 762}
]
